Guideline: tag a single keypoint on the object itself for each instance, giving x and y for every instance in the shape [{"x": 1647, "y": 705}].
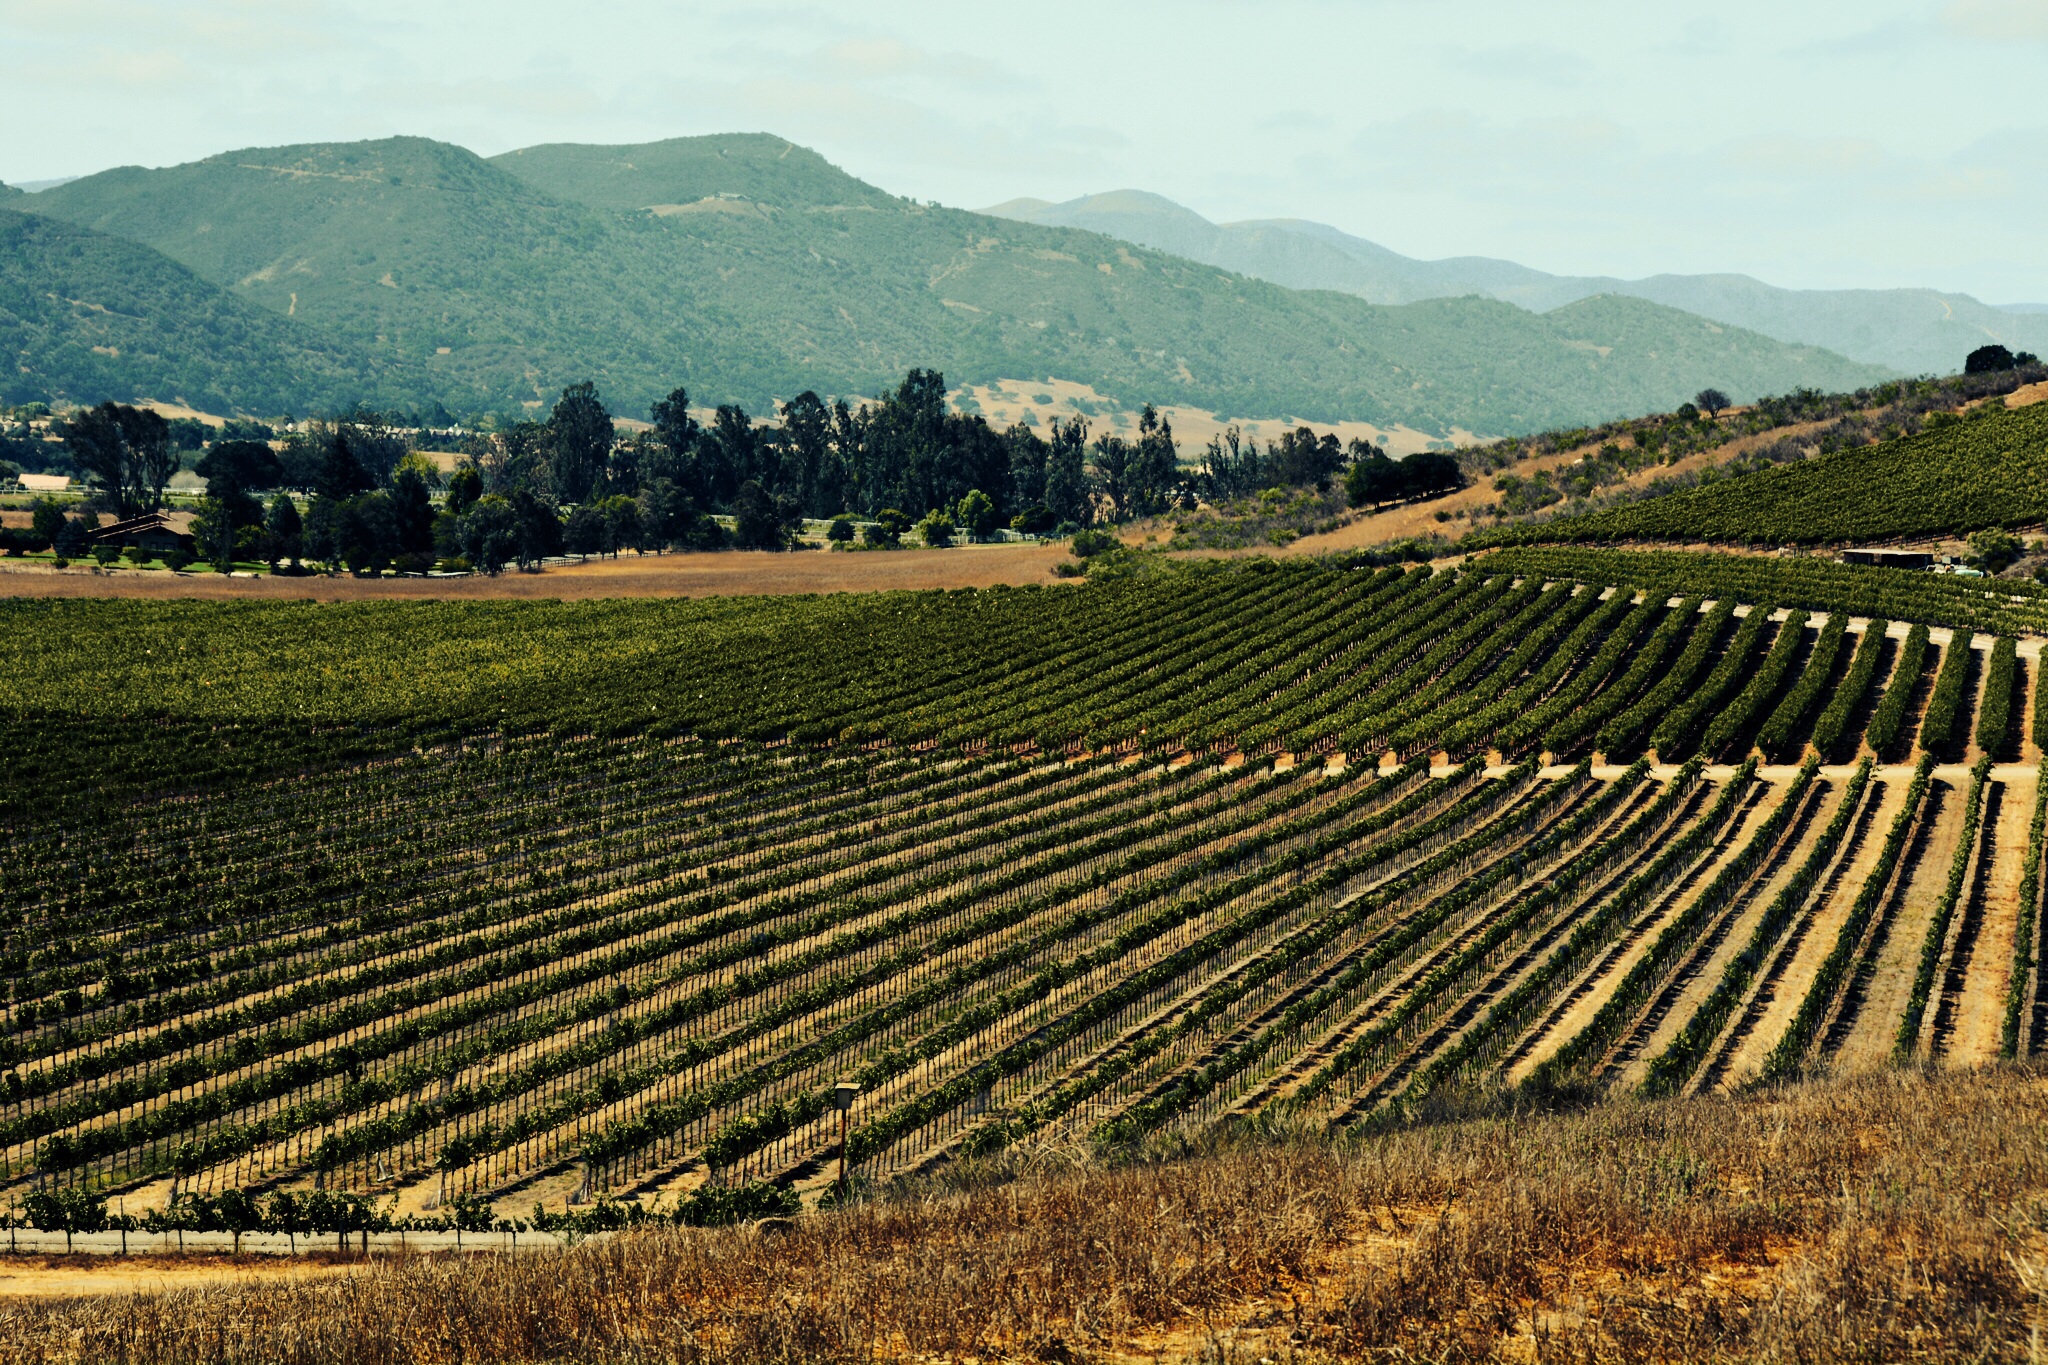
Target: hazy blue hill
[
  {"x": 1911, "y": 330},
  {"x": 86, "y": 316},
  {"x": 750, "y": 269}
]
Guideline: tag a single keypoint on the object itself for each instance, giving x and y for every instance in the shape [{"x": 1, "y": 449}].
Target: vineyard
[
  {"x": 1986, "y": 469},
  {"x": 526, "y": 921}
]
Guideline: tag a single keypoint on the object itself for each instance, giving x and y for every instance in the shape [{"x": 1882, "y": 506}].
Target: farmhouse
[{"x": 158, "y": 532}]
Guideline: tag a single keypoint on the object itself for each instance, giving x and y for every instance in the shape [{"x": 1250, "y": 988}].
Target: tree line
[{"x": 574, "y": 483}]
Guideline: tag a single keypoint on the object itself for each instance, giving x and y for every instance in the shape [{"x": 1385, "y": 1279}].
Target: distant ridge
[
  {"x": 1910, "y": 330},
  {"x": 750, "y": 269}
]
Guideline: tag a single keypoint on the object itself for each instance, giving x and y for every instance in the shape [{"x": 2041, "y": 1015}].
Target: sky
[{"x": 1814, "y": 145}]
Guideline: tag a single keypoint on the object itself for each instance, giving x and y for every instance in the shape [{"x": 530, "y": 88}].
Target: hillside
[
  {"x": 747, "y": 270},
  {"x": 526, "y": 901},
  {"x": 1916, "y": 331},
  {"x": 86, "y": 316},
  {"x": 1989, "y": 469},
  {"x": 1733, "y": 1231}
]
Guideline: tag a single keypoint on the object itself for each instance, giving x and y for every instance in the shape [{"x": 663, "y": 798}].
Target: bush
[
  {"x": 1988, "y": 360},
  {"x": 1088, "y": 544},
  {"x": 106, "y": 555},
  {"x": 1994, "y": 550},
  {"x": 840, "y": 529},
  {"x": 936, "y": 529}
]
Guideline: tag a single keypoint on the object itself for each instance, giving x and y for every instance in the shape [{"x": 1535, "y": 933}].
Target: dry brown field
[
  {"x": 736, "y": 573},
  {"x": 1891, "y": 1218}
]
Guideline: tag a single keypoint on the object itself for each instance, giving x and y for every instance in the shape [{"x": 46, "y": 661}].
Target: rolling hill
[
  {"x": 86, "y": 316},
  {"x": 1917, "y": 331},
  {"x": 1989, "y": 469},
  {"x": 749, "y": 269},
  {"x": 627, "y": 887}
]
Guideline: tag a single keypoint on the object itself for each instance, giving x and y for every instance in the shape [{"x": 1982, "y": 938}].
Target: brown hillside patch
[{"x": 1882, "y": 1219}]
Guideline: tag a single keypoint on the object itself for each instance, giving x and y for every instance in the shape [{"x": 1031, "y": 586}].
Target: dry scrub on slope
[{"x": 1894, "y": 1217}]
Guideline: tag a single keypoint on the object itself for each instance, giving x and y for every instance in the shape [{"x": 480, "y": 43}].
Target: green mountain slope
[
  {"x": 1990, "y": 469},
  {"x": 86, "y": 316},
  {"x": 750, "y": 269}
]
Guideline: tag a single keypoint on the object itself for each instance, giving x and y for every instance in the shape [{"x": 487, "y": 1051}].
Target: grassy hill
[
  {"x": 749, "y": 269},
  {"x": 86, "y": 316},
  {"x": 1989, "y": 469}
]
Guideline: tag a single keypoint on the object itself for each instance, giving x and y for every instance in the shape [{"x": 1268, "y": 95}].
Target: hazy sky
[{"x": 1811, "y": 144}]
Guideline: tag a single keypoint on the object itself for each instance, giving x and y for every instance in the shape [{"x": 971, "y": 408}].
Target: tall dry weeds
[{"x": 1892, "y": 1218}]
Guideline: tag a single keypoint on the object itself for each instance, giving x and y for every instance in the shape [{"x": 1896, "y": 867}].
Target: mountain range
[
  {"x": 749, "y": 269},
  {"x": 1915, "y": 331}
]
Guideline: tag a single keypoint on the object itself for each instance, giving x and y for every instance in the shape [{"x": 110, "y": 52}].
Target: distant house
[
  {"x": 157, "y": 532},
  {"x": 46, "y": 483},
  {"x": 1890, "y": 559}
]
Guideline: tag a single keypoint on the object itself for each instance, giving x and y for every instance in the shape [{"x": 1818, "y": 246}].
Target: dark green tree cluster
[
  {"x": 126, "y": 452},
  {"x": 1376, "y": 479}
]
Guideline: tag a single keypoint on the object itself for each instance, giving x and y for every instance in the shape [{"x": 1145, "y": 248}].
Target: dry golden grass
[
  {"x": 1896, "y": 1217},
  {"x": 738, "y": 573}
]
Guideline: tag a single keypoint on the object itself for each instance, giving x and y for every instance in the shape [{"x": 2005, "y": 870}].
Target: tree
[
  {"x": 412, "y": 510},
  {"x": 976, "y": 513},
  {"x": 622, "y": 529},
  {"x": 666, "y": 517},
  {"x": 840, "y": 529},
  {"x": 127, "y": 451},
  {"x": 465, "y": 486},
  {"x": 757, "y": 521},
  {"x": 1988, "y": 360},
  {"x": 732, "y": 447},
  {"x": 47, "y": 521},
  {"x": 676, "y": 433},
  {"x": 583, "y": 531},
  {"x": 488, "y": 533},
  {"x": 1066, "y": 480},
  {"x": 886, "y": 530},
  {"x": 239, "y": 467},
  {"x": 1300, "y": 457},
  {"x": 281, "y": 529},
  {"x": 537, "y": 529},
  {"x": 581, "y": 434},
  {"x": 1373, "y": 479},
  {"x": 1155, "y": 468},
  {"x": 339, "y": 475},
  {"x": 810, "y": 473},
  {"x": 936, "y": 530},
  {"x": 1994, "y": 550},
  {"x": 1233, "y": 468},
  {"x": 1710, "y": 401},
  {"x": 1113, "y": 460}
]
